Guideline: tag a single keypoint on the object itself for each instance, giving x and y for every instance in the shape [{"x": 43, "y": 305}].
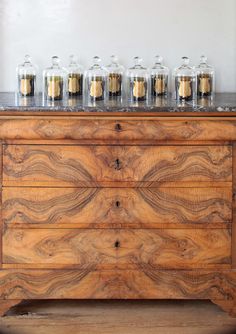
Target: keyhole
[
  {"x": 117, "y": 164},
  {"x": 118, "y": 127},
  {"x": 117, "y": 204},
  {"x": 117, "y": 244}
]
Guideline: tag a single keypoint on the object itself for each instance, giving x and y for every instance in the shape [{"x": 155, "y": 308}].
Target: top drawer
[
  {"x": 121, "y": 130},
  {"x": 80, "y": 166}
]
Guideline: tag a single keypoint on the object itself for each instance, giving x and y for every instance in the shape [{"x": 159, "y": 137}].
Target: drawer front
[
  {"x": 119, "y": 129},
  {"x": 117, "y": 207},
  {"x": 170, "y": 248},
  {"x": 117, "y": 284},
  {"x": 115, "y": 165}
]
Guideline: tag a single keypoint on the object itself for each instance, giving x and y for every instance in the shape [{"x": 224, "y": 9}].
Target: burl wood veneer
[{"x": 115, "y": 206}]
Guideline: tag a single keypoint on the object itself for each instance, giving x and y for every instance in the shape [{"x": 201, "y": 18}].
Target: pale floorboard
[{"x": 117, "y": 317}]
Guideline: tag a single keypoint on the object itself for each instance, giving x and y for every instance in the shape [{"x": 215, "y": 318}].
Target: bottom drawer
[
  {"x": 169, "y": 248},
  {"x": 120, "y": 284}
]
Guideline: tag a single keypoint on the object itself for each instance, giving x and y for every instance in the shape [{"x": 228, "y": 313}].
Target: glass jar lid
[
  {"x": 27, "y": 67},
  {"x": 138, "y": 70},
  {"x": 114, "y": 66},
  {"x": 96, "y": 70},
  {"x": 55, "y": 69},
  {"x": 185, "y": 69},
  {"x": 158, "y": 67},
  {"x": 74, "y": 66},
  {"x": 203, "y": 66}
]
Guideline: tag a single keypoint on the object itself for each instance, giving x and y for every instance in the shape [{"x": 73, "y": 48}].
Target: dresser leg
[
  {"x": 5, "y": 305},
  {"x": 228, "y": 306}
]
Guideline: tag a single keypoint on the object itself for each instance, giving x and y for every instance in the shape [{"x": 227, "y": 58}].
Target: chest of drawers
[{"x": 115, "y": 206}]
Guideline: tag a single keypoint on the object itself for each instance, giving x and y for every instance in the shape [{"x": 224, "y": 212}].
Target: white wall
[{"x": 127, "y": 28}]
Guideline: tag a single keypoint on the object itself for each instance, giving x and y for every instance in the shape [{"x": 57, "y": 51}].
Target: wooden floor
[{"x": 117, "y": 317}]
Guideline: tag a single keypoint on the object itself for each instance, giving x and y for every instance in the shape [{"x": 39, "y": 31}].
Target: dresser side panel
[{"x": 234, "y": 208}]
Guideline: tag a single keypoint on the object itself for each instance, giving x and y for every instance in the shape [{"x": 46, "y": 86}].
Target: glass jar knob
[
  {"x": 137, "y": 62},
  {"x": 96, "y": 61},
  {"x": 73, "y": 60},
  {"x": 185, "y": 61},
  {"x": 55, "y": 61},
  {"x": 159, "y": 60},
  {"x": 27, "y": 60},
  {"x": 203, "y": 59},
  {"x": 114, "y": 60}
]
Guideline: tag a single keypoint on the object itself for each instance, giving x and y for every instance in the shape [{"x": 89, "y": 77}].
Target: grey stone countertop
[{"x": 222, "y": 102}]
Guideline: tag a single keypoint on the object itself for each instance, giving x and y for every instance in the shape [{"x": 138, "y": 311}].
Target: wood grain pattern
[
  {"x": 94, "y": 165},
  {"x": 117, "y": 207},
  {"x": 159, "y": 188},
  {"x": 234, "y": 209},
  {"x": 117, "y": 284},
  {"x": 109, "y": 249},
  {"x": 1, "y": 225},
  {"x": 94, "y": 128},
  {"x": 5, "y": 305},
  {"x": 228, "y": 306}
]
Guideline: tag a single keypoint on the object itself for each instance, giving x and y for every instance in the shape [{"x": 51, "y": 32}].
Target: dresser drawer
[
  {"x": 144, "y": 283},
  {"x": 170, "y": 248},
  {"x": 117, "y": 207},
  {"x": 118, "y": 129},
  {"x": 115, "y": 165}
]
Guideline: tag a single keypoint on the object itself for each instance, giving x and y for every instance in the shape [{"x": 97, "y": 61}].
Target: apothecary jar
[
  {"x": 54, "y": 81},
  {"x": 95, "y": 82},
  {"x": 137, "y": 81},
  {"x": 185, "y": 81},
  {"x": 26, "y": 78}
]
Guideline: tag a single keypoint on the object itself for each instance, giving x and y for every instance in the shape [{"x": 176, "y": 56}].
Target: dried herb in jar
[
  {"x": 54, "y": 87},
  {"x": 75, "y": 84},
  {"x": 97, "y": 88},
  {"x": 27, "y": 84},
  {"x": 204, "y": 84},
  {"x": 139, "y": 88},
  {"x": 184, "y": 87},
  {"x": 159, "y": 85},
  {"x": 114, "y": 84}
]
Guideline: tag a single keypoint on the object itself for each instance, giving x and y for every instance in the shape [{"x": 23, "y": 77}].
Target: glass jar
[
  {"x": 205, "y": 78},
  {"x": 54, "y": 79},
  {"x": 115, "y": 78},
  {"x": 137, "y": 77},
  {"x": 95, "y": 81},
  {"x": 159, "y": 78},
  {"x": 185, "y": 81},
  {"x": 74, "y": 78},
  {"x": 26, "y": 78}
]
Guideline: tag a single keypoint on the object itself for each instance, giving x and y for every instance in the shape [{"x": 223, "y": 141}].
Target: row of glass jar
[{"x": 99, "y": 83}]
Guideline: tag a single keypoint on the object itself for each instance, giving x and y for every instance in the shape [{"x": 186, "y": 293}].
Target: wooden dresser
[{"x": 118, "y": 206}]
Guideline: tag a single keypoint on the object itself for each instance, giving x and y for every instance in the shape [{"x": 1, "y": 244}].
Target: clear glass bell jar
[
  {"x": 54, "y": 81},
  {"x": 26, "y": 78},
  {"x": 95, "y": 82},
  {"x": 115, "y": 83},
  {"x": 137, "y": 81},
  {"x": 74, "y": 78},
  {"x": 159, "y": 78},
  {"x": 205, "y": 79},
  {"x": 185, "y": 81}
]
